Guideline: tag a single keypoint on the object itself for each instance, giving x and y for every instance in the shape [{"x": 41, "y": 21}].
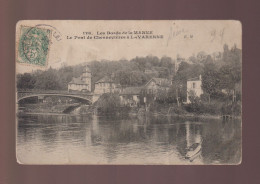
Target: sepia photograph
[{"x": 128, "y": 92}]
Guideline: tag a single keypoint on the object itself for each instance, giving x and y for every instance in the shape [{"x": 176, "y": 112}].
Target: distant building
[
  {"x": 106, "y": 85},
  {"x": 132, "y": 96},
  {"x": 156, "y": 84},
  {"x": 82, "y": 83},
  {"x": 194, "y": 87}
]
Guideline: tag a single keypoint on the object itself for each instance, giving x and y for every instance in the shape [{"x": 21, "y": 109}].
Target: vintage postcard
[{"x": 129, "y": 92}]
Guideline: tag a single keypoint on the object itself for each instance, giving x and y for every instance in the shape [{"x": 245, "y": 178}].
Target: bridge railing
[{"x": 37, "y": 91}]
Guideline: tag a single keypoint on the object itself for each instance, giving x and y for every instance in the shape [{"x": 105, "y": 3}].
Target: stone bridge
[{"x": 88, "y": 98}]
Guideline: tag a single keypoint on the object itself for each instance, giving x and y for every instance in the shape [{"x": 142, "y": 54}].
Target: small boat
[{"x": 193, "y": 151}]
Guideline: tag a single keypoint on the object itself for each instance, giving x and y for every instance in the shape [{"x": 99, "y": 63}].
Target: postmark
[
  {"x": 34, "y": 44},
  {"x": 56, "y": 34}
]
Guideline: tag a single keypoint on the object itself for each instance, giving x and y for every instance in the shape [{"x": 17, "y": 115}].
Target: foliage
[
  {"x": 163, "y": 96},
  {"x": 231, "y": 109},
  {"x": 25, "y": 81},
  {"x": 130, "y": 78},
  {"x": 108, "y": 103},
  {"x": 210, "y": 79},
  {"x": 221, "y": 78},
  {"x": 47, "y": 80},
  {"x": 199, "y": 107},
  {"x": 193, "y": 98},
  {"x": 225, "y": 75},
  {"x": 125, "y": 72}
]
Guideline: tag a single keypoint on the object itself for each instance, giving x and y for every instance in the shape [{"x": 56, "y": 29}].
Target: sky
[{"x": 185, "y": 38}]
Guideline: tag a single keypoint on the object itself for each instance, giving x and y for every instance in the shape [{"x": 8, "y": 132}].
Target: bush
[
  {"x": 108, "y": 103},
  {"x": 167, "y": 108},
  {"x": 196, "y": 108},
  {"x": 231, "y": 109},
  {"x": 156, "y": 107},
  {"x": 178, "y": 110},
  {"x": 200, "y": 107}
]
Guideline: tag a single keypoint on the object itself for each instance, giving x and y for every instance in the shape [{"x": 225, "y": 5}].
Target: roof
[
  {"x": 160, "y": 81},
  {"x": 194, "y": 79},
  {"x": 105, "y": 79},
  {"x": 77, "y": 80},
  {"x": 131, "y": 91}
]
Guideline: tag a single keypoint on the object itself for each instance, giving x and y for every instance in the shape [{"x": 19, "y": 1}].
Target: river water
[{"x": 75, "y": 139}]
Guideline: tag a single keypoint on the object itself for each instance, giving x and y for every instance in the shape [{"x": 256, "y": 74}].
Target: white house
[
  {"x": 82, "y": 83},
  {"x": 194, "y": 87},
  {"x": 106, "y": 85}
]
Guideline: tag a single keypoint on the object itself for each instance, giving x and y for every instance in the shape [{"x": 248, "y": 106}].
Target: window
[{"x": 193, "y": 85}]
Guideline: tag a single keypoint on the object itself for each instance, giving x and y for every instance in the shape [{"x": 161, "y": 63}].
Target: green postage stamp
[{"x": 33, "y": 46}]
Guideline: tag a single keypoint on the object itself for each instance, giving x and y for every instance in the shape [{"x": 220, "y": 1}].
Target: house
[
  {"x": 132, "y": 96},
  {"x": 156, "y": 84},
  {"x": 106, "y": 85},
  {"x": 194, "y": 87},
  {"x": 82, "y": 83}
]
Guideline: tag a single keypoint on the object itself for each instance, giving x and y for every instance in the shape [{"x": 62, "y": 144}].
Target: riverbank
[
  {"x": 44, "y": 108},
  {"x": 163, "y": 110},
  {"x": 191, "y": 116}
]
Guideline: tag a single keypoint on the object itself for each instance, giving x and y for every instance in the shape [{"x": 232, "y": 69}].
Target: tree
[
  {"x": 179, "y": 81},
  {"x": 175, "y": 93},
  {"x": 108, "y": 103},
  {"x": 193, "y": 59},
  {"x": 227, "y": 79},
  {"x": 122, "y": 77},
  {"x": 25, "y": 81},
  {"x": 230, "y": 77},
  {"x": 210, "y": 79},
  {"x": 137, "y": 78},
  {"x": 208, "y": 59},
  {"x": 64, "y": 76},
  {"x": 201, "y": 56},
  {"x": 48, "y": 80},
  {"x": 225, "y": 53},
  {"x": 230, "y": 72}
]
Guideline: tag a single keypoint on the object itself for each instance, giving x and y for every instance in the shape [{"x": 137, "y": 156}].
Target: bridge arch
[{"x": 59, "y": 95}]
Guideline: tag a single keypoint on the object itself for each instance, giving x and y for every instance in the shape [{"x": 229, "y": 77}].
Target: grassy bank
[
  {"x": 109, "y": 106},
  {"x": 203, "y": 110}
]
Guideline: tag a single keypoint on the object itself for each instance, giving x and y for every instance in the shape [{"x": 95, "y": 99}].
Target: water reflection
[{"x": 143, "y": 140}]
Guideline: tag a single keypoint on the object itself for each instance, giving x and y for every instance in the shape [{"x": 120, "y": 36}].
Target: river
[{"x": 75, "y": 139}]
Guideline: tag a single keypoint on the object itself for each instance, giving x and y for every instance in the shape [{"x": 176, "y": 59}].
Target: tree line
[
  {"x": 221, "y": 84},
  {"x": 125, "y": 72},
  {"x": 221, "y": 74}
]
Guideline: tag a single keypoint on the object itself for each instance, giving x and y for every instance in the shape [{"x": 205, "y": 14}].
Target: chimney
[{"x": 200, "y": 77}]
